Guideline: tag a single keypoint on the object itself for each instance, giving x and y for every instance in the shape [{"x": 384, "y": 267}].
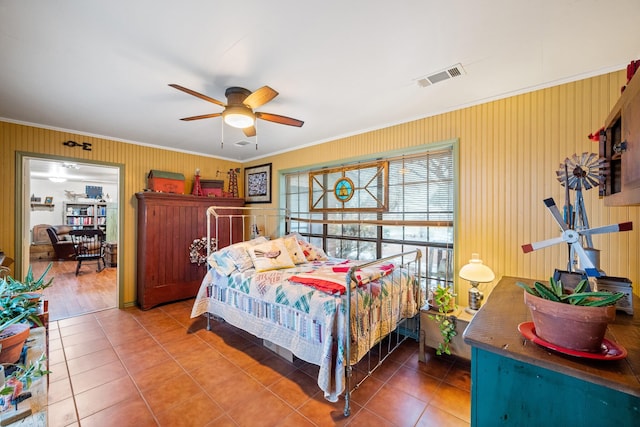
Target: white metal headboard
[{"x": 268, "y": 222}]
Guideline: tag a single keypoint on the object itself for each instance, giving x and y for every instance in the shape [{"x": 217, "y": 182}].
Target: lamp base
[
  {"x": 470, "y": 310},
  {"x": 475, "y": 297}
]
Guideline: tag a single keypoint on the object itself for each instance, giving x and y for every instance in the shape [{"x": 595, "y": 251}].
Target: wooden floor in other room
[
  {"x": 71, "y": 295},
  {"x": 160, "y": 368}
]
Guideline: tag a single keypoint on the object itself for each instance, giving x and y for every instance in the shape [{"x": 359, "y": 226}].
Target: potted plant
[
  {"x": 575, "y": 319},
  {"x": 32, "y": 288},
  {"x": 17, "y": 313},
  {"x": 21, "y": 377},
  {"x": 444, "y": 300}
]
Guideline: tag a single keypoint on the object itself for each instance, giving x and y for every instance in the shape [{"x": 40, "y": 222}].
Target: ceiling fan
[{"x": 239, "y": 109}]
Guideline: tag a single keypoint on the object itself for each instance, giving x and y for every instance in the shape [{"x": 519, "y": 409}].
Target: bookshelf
[{"x": 85, "y": 215}]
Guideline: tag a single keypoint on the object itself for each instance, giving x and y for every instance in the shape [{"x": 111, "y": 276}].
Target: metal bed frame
[{"x": 256, "y": 221}]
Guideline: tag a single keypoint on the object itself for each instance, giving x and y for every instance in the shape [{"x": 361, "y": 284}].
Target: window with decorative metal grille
[{"x": 375, "y": 209}]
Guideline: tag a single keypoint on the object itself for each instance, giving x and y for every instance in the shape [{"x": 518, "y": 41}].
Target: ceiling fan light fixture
[{"x": 238, "y": 117}]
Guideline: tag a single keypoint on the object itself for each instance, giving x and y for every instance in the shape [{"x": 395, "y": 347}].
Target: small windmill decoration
[
  {"x": 233, "y": 181},
  {"x": 577, "y": 173}
]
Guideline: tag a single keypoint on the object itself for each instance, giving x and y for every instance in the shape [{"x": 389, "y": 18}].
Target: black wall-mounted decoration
[{"x": 84, "y": 145}]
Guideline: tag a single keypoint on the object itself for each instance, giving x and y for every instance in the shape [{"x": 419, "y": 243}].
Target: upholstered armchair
[{"x": 61, "y": 241}]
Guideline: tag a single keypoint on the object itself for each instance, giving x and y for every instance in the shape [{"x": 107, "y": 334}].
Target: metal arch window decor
[{"x": 362, "y": 187}]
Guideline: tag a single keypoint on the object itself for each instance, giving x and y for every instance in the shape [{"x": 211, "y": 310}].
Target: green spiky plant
[
  {"x": 28, "y": 284},
  {"x": 556, "y": 292},
  {"x": 443, "y": 297},
  {"x": 24, "y": 374}
]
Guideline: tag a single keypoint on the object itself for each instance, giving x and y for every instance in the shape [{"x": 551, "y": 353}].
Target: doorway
[{"x": 64, "y": 194}]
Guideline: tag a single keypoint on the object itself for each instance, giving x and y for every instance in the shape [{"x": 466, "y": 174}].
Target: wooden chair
[{"x": 89, "y": 245}]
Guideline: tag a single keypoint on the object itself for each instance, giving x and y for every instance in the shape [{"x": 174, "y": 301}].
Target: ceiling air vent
[
  {"x": 446, "y": 74},
  {"x": 242, "y": 143}
]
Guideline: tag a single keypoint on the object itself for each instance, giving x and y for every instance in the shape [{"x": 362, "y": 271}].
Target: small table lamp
[{"x": 475, "y": 272}]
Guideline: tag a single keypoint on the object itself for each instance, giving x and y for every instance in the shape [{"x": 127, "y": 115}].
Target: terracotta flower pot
[
  {"x": 12, "y": 340},
  {"x": 570, "y": 326}
]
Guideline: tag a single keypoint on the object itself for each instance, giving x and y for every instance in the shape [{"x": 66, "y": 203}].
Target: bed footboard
[
  {"x": 408, "y": 323},
  {"x": 392, "y": 299}
]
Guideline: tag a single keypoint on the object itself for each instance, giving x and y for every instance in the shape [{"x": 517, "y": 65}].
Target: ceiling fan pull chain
[{"x": 222, "y": 136}]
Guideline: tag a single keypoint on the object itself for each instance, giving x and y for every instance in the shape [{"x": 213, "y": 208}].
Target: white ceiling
[
  {"x": 102, "y": 68},
  {"x": 72, "y": 171}
]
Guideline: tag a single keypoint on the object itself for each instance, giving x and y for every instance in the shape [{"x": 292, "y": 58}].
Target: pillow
[
  {"x": 271, "y": 255},
  {"x": 222, "y": 262},
  {"x": 311, "y": 252},
  {"x": 234, "y": 257},
  {"x": 294, "y": 249},
  {"x": 240, "y": 256}
]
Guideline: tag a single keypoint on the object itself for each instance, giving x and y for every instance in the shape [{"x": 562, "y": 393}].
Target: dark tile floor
[{"x": 159, "y": 367}]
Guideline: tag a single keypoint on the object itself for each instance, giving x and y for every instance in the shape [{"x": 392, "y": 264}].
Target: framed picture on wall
[
  {"x": 48, "y": 200},
  {"x": 257, "y": 184}
]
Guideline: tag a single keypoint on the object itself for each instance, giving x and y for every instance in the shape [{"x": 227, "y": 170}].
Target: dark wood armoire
[{"x": 167, "y": 225}]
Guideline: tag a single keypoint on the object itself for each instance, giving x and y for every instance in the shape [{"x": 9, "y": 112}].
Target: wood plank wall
[
  {"x": 137, "y": 161},
  {"x": 509, "y": 150}
]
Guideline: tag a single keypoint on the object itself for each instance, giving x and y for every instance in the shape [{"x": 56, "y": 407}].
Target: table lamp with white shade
[{"x": 475, "y": 272}]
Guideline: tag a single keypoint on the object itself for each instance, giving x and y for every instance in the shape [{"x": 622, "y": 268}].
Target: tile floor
[{"x": 159, "y": 367}]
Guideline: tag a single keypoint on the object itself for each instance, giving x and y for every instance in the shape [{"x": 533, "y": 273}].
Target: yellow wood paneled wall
[
  {"x": 137, "y": 161},
  {"x": 509, "y": 151}
]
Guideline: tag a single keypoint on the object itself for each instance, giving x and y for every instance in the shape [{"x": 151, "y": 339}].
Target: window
[{"x": 417, "y": 213}]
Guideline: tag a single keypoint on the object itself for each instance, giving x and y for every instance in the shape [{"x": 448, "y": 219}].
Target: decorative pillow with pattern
[
  {"x": 240, "y": 256},
  {"x": 294, "y": 249},
  {"x": 311, "y": 252},
  {"x": 222, "y": 262},
  {"x": 271, "y": 255}
]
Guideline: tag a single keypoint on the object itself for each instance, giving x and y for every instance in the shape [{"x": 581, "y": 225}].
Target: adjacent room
[{"x": 279, "y": 214}]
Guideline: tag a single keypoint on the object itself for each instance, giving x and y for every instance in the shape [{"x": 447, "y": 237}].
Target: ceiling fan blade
[
  {"x": 260, "y": 97},
  {"x": 623, "y": 226},
  {"x": 204, "y": 116},
  {"x": 250, "y": 131},
  {"x": 530, "y": 247},
  {"x": 551, "y": 205},
  {"x": 197, "y": 94},
  {"x": 280, "y": 119}
]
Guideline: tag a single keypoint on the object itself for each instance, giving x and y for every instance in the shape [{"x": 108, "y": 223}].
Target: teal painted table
[{"x": 515, "y": 382}]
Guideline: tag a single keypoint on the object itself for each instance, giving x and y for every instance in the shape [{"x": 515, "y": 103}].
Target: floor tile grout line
[
  {"x": 225, "y": 412},
  {"x": 66, "y": 364},
  {"x": 400, "y": 365},
  {"x": 151, "y": 412},
  {"x": 153, "y": 335}
]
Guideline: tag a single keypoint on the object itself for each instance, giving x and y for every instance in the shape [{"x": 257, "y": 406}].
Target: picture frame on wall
[
  {"x": 257, "y": 184},
  {"x": 48, "y": 200}
]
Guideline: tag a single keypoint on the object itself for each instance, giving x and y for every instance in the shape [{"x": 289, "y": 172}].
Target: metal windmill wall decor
[{"x": 577, "y": 173}]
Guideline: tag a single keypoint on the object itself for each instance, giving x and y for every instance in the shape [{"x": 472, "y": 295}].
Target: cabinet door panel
[{"x": 167, "y": 225}]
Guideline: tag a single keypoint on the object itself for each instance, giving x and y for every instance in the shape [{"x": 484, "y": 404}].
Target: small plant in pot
[
  {"x": 17, "y": 314},
  {"x": 573, "y": 319},
  {"x": 444, "y": 301},
  {"x": 31, "y": 287},
  {"x": 21, "y": 377}
]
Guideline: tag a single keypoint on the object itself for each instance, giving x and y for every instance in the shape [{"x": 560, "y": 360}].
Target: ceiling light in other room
[
  {"x": 238, "y": 117},
  {"x": 57, "y": 179}
]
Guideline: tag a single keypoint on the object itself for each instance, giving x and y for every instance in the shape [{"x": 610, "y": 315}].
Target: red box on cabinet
[
  {"x": 165, "y": 182},
  {"x": 212, "y": 187}
]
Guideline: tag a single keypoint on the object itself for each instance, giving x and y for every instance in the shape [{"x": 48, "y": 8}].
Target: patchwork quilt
[{"x": 303, "y": 309}]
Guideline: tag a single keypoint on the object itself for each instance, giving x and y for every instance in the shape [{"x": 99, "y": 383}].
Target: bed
[{"x": 285, "y": 290}]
